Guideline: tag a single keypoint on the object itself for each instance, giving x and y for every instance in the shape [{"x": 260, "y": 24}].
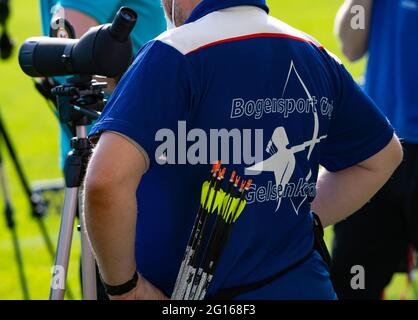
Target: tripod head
[
  {"x": 6, "y": 44},
  {"x": 80, "y": 100}
]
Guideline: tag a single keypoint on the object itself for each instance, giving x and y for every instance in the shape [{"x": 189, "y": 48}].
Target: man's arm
[
  {"x": 354, "y": 42},
  {"x": 340, "y": 194},
  {"x": 113, "y": 176}
]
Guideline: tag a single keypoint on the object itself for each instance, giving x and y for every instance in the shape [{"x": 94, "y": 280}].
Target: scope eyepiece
[
  {"x": 123, "y": 24},
  {"x": 128, "y": 14}
]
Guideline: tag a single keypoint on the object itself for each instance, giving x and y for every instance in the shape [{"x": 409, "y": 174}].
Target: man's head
[{"x": 180, "y": 9}]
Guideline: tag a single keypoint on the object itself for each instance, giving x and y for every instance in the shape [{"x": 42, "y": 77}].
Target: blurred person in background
[
  {"x": 84, "y": 14},
  {"x": 378, "y": 236}
]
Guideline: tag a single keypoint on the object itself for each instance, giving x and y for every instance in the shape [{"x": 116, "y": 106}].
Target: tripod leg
[
  {"x": 74, "y": 171},
  {"x": 62, "y": 259},
  {"x": 51, "y": 250},
  {"x": 12, "y": 227},
  {"x": 19, "y": 261},
  {"x": 36, "y": 202},
  {"x": 88, "y": 262},
  {"x": 15, "y": 159}
]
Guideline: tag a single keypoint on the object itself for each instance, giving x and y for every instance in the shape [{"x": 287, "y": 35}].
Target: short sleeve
[
  {"x": 154, "y": 94},
  {"x": 358, "y": 129}
]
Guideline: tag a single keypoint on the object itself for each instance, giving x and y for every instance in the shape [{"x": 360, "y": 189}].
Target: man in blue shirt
[
  {"x": 386, "y": 227},
  {"x": 231, "y": 83},
  {"x": 84, "y": 14}
]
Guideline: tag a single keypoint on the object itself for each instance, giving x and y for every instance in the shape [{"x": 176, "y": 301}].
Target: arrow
[
  {"x": 194, "y": 260},
  {"x": 210, "y": 235},
  {"x": 219, "y": 240},
  {"x": 196, "y": 228}
]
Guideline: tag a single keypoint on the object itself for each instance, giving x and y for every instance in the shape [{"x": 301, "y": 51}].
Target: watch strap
[{"x": 123, "y": 288}]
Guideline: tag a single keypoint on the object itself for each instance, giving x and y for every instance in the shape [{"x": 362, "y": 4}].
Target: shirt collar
[{"x": 209, "y": 6}]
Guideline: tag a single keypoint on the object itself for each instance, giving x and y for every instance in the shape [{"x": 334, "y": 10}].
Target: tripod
[
  {"x": 37, "y": 204},
  {"x": 78, "y": 102},
  {"x": 11, "y": 225}
]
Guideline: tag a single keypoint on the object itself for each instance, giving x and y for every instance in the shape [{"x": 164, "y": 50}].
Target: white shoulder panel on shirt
[{"x": 227, "y": 25}]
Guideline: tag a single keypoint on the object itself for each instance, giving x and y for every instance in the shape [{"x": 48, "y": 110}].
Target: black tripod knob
[
  {"x": 6, "y": 46},
  {"x": 4, "y": 11}
]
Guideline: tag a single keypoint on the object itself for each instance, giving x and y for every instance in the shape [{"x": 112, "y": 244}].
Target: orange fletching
[
  {"x": 216, "y": 166},
  {"x": 233, "y": 176},
  {"x": 222, "y": 173},
  {"x": 243, "y": 183},
  {"x": 237, "y": 179}
]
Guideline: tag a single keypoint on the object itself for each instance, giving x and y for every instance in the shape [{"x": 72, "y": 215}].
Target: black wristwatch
[{"x": 123, "y": 288}]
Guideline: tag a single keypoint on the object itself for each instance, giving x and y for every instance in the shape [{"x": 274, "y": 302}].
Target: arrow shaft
[
  {"x": 194, "y": 234},
  {"x": 186, "y": 281}
]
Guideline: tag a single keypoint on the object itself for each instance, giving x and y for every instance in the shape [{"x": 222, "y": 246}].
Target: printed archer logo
[
  {"x": 246, "y": 145},
  {"x": 58, "y": 278},
  {"x": 282, "y": 160}
]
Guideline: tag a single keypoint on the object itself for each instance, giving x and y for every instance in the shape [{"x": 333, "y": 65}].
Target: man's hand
[{"x": 144, "y": 290}]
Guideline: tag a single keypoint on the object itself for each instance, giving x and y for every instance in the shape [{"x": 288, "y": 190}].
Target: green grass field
[{"x": 34, "y": 131}]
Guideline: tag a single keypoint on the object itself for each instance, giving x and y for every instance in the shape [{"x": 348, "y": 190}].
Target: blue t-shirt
[
  {"x": 263, "y": 97},
  {"x": 151, "y": 22},
  {"x": 392, "y": 72}
]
